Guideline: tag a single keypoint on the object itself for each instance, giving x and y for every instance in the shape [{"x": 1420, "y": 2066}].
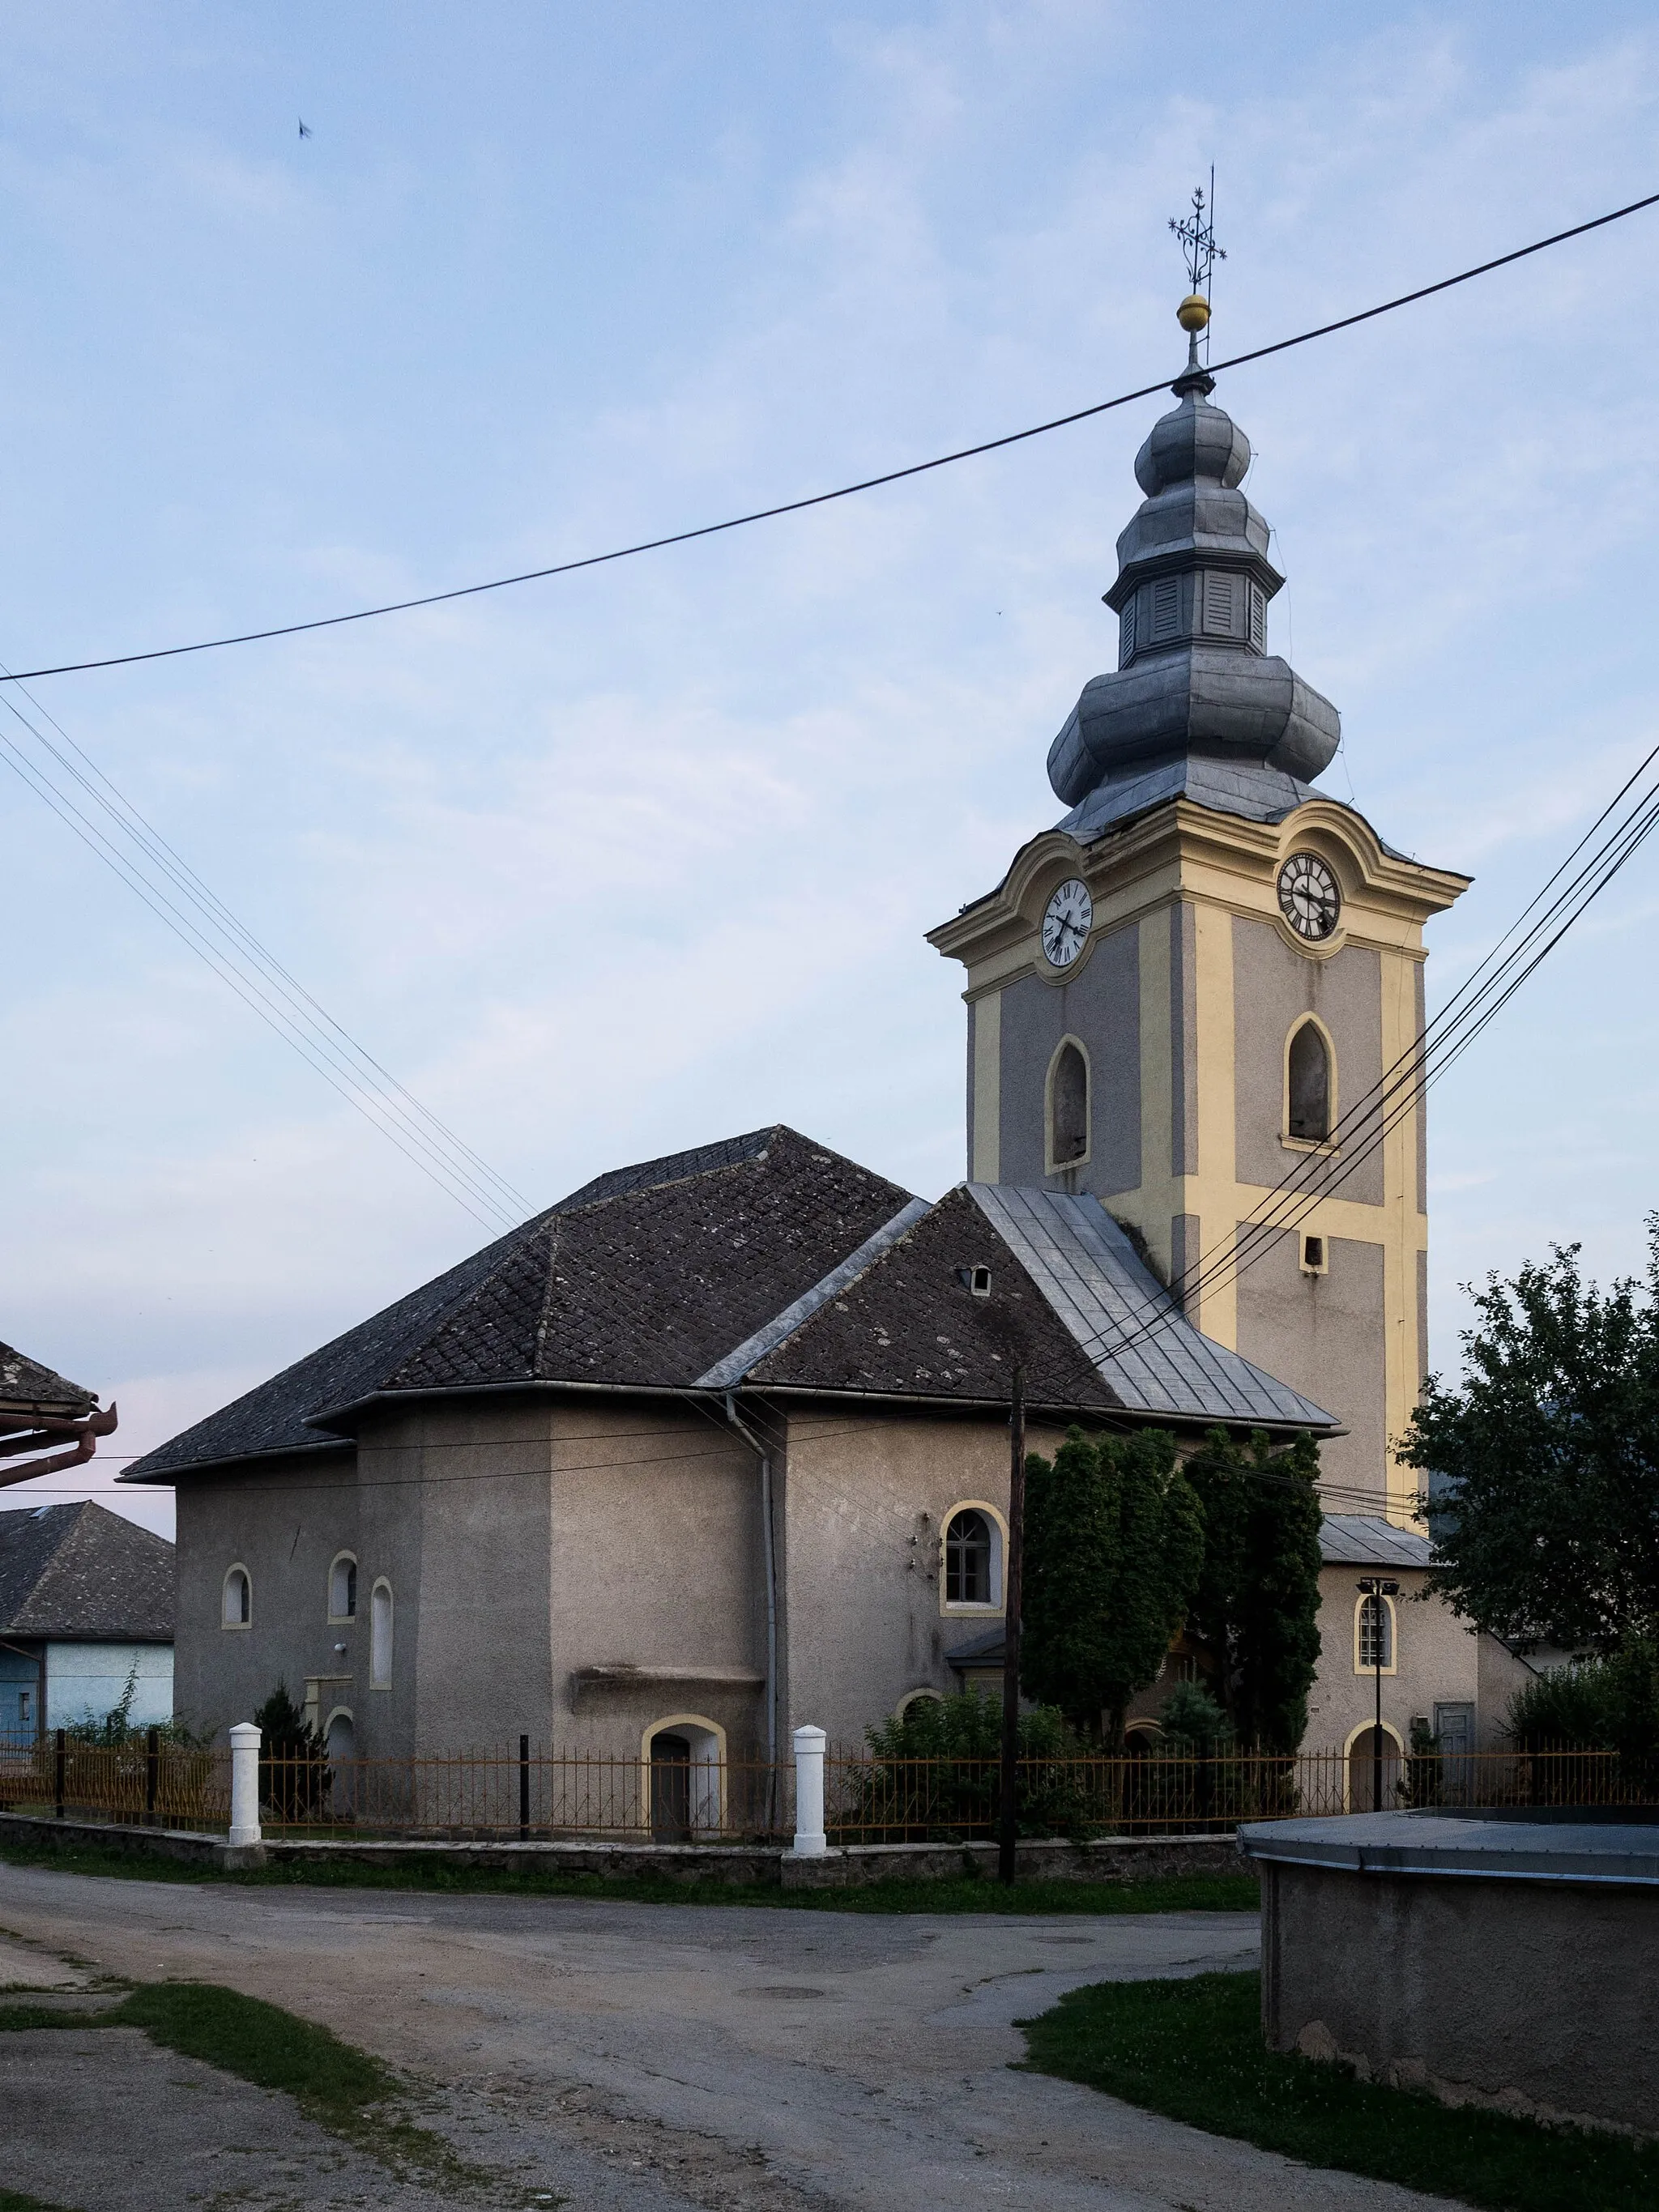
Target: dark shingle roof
[
  {"x": 27, "y": 1387},
  {"x": 767, "y": 1260},
  {"x": 82, "y": 1572},
  {"x": 641, "y": 1276},
  {"x": 1092, "y": 1325},
  {"x": 910, "y": 1326}
]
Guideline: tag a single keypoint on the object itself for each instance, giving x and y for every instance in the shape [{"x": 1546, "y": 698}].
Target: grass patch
[
  {"x": 330, "y": 2081},
  {"x": 1182, "y": 1892},
  {"x": 342, "y": 2088},
  {"x": 13, "y": 2200},
  {"x": 1192, "y": 2049}
]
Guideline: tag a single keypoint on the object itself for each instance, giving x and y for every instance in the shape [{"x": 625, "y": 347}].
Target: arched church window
[
  {"x": 379, "y": 1635},
  {"x": 1310, "y": 1085},
  {"x": 343, "y": 1589},
  {"x": 967, "y": 1557},
  {"x": 1068, "y": 1108},
  {"x": 236, "y": 1604}
]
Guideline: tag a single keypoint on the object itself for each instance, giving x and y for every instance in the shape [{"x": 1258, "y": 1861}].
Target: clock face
[
  {"x": 1309, "y": 898},
  {"x": 1066, "y": 921}
]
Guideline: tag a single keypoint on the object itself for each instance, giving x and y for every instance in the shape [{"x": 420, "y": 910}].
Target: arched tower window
[
  {"x": 1068, "y": 1106},
  {"x": 1310, "y": 1085}
]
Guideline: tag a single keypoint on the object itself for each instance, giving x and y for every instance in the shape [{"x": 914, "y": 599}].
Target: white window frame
[
  {"x": 382, "y": 1654},
  {"x": 1361, "y": 1665},
  {"x": 339, "y": 1619},
  {"x": 960, "y": 1609},
  {"x": 236, "y": 1567}
]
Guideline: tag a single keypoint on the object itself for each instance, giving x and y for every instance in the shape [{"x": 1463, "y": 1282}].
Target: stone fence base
[{"x": 1123, "y": 1858}]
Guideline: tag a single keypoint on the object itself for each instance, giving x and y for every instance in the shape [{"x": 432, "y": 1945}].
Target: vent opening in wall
[
  {"x": 1219, "y": 603},
  {"x": 1313, "y": 1255},
  {"x": 1126, "y": 635},
  {"x": 1166, "y": 607},
  {"x": 1258, "y": 618}
]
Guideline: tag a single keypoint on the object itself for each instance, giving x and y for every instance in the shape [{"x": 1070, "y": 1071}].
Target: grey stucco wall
[
  {"x": 1437, "y": 1662},
  {"x": 284, "y": 1519},
  {"x": 1542, "y": 1989},
  {"x": 656, "y": 1563},
  {"x": 461, "y": 1515},
  {"x": 1323, "y": 1334},
  {"x": 1273, "y": 987},
  {"x": 867, "y": 1500},
  {"x": 1100, "y": 1004}
]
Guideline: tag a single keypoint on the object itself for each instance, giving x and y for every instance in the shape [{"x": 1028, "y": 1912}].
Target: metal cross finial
[{"x": 1197, "y": 236}]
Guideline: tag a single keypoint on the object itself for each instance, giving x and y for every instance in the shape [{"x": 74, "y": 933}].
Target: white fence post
[
  {"x": 245, "y": 1784},
  {"x": 810, "y": 1839}
]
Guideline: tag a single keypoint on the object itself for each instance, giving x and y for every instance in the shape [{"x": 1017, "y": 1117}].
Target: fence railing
[{"x": 545, "y": 1795}]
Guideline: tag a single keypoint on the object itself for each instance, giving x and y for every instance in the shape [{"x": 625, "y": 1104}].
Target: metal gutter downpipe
[{"x": 765, "y": 1459}]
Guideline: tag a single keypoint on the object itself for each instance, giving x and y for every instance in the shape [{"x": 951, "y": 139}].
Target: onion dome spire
[{"x": 1196, "y": 707}]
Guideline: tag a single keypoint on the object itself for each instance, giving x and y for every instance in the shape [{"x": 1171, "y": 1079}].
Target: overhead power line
[
  {"x": 1530, "y": 938},
  {"x": 841, "y": 491},
  {"x": 67, "y": 779}
]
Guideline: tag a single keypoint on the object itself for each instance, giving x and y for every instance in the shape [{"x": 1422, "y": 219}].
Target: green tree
[
  {"x": 1114, "y": 1545},
  {"x": 1547, "y": 1531},
  {"x": 1256, "y": 1605},
  {"x": 293, "y": 1770}
]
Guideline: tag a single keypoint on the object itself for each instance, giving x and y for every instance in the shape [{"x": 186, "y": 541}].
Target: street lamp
[{"x": 1377, "y": 1590}]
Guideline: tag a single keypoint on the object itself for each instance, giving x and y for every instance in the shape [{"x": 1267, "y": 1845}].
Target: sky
[{"x": 625, "y": 861}]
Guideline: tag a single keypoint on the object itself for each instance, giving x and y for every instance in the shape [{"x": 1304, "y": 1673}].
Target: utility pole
[
  {"x": 1377, "y": 1592},
  {"x": 1008, "y": 1828}
]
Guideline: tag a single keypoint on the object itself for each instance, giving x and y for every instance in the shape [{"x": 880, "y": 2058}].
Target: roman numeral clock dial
[
  {"x": 1309, "y": 898},
  {"x": 1066, "y": 921}
]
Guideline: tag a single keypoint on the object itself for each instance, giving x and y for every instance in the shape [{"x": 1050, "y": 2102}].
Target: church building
[{"x": 717, "y": 1444}]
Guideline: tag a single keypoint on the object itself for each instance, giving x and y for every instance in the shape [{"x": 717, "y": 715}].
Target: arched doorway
[
  {"x": 670, "y": 1787},
  {"x": 1362, "y": 1771},
  {"x": 340, "y": 1742},
  {"x": 684, "y": 1760}
]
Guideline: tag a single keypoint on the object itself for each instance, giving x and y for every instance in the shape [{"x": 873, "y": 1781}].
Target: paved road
[{"x": 653, "y": 2058}]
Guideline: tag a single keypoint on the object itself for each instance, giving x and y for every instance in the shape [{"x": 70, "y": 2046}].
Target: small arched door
[
  {"x": 1362, "y": 1773},
  {"x": 671, "y": 1789}
]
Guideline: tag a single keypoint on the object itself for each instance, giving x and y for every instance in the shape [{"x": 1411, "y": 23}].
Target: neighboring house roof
[
  {"x": 27, "y": 1387},
  {"x": 1365, "y": 1539},
  {"x": 82, "y": 1574},
  {"x": 770, "y": 1262}
]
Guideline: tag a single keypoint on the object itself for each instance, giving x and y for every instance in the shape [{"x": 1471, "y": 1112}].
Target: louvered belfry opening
[
  {"x": 1068, "y": 1108},
  {"x": 1311, "y": 1086}
]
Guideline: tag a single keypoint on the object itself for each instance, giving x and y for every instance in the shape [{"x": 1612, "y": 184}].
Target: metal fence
[
  {"x": 542, "y": 1794},
  {"x": 148, "y": 1779},
  {"x": 891, "y": 1801}
]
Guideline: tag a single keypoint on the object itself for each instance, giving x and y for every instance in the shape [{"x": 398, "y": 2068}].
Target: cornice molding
[{"x": 1184, "y": 849}]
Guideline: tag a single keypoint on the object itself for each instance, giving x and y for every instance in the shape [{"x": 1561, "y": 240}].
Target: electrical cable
[
  {"x": 842, "y": 491},
  {"x": 298, "y": 1019},
  {"x": 1418, "y": 1069},
  {"x": 433, "y": 1166},
  {"x": 173, "y": 863}
]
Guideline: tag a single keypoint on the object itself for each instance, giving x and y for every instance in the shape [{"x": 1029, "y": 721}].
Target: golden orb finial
[{"x": 1194, "y": 313}]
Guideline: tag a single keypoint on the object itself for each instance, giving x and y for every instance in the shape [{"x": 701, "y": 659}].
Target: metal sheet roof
[
  {"x": 1126, "y": 1323},
  {"x": 1366, "y": 1540}
]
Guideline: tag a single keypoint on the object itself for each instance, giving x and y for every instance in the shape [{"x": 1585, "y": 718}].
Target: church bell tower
[{"x": 1200, "y": 996}]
